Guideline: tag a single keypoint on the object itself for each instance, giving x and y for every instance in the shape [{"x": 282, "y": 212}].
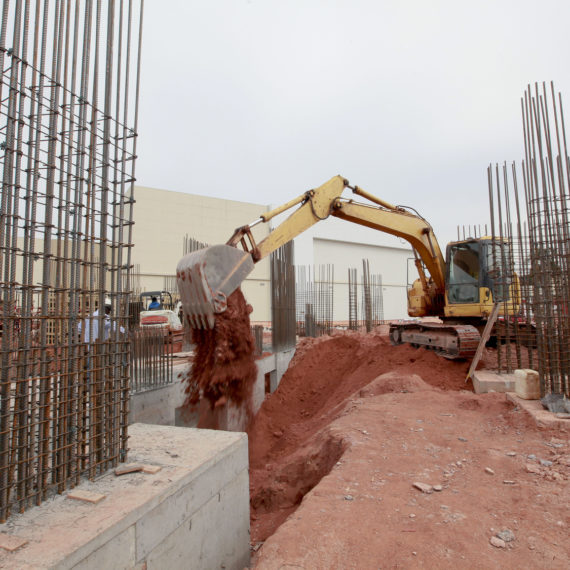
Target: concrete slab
[
  {"x": 147, "y": 519},
  {"x": 542, "y": 417},
  {"x": 486, "y": 381}
]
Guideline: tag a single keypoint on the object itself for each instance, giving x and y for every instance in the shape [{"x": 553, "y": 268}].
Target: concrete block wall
[{"x": 193, "y": 513}]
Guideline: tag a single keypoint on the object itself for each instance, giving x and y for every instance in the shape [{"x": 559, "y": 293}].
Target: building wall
[
  {"x": 345, "y": 245},
  {"x": 162, "y": 220},
  {"x": 389, "y": 262}
]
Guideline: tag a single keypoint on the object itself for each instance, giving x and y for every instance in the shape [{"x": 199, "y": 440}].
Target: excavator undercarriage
[{"x": 448, "y": 340}]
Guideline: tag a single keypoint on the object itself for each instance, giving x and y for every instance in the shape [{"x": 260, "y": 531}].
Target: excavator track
[{"x": 450, "y": 341}]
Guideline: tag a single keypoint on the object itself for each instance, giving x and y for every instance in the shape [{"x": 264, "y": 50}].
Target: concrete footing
[
  {"x": 485, "y": 381},
  {"x": 192, "y": 513}
]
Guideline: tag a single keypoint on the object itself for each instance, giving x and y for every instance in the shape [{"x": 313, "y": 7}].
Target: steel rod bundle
[
  {"x": 530, "y": 226},
  {"x": 546, "y": 175},
  {"x": 151, "y": 359},
  {"x": 68, "y": 122},
  {"x": 353, "y": 324},
  {"x": 315, "y": 300},
  {"x": 372, "y": 299},
  {"x": 283, "y": 298}
]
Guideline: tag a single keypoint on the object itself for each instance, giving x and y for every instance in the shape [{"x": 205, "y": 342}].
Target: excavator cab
[{"x": 479, "y": 273}]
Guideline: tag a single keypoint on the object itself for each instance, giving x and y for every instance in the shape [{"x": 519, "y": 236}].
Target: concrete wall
[
  {"x": 192, "y": 513},
  {"x": 158, "y": 406}
]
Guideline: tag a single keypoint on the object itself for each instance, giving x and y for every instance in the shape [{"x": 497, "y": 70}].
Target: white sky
[{"x": 260, "y": 100}]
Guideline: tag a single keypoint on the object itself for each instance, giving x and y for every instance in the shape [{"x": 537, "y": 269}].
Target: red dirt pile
[
  {"x": 337, "y": 451},
  {"x": 224, "y": 368},
  {"x": 323, "y": 375}
]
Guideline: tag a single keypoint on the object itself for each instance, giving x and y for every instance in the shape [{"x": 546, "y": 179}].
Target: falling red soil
[
  {"x": 224, "y": 368},
  {"x": 355, "y": 421}
]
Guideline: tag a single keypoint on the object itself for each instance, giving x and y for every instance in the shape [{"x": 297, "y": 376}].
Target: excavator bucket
[{"x": 206, "y": 278}]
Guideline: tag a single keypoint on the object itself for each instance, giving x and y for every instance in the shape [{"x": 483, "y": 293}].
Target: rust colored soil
[
  {"x": 224, "y": 368},
  {"x": 334, "y": 453}
]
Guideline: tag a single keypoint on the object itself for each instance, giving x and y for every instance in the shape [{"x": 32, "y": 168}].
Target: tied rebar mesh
[
  {"x": 509, "y": 269},
  {"x": 546, "y": 175},
  {"x": 530, "y": 260},
  {"x": 283, "y": 298},
  {"x": 68, "y": 120}
]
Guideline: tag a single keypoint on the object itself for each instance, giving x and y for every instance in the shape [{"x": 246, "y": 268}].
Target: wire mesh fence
[{"x": 67, "y": 149}]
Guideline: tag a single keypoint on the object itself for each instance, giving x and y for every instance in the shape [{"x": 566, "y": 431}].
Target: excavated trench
[{"x": 283, "y": 485}]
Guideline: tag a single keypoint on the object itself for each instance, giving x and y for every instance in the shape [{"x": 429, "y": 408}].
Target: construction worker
[
  {"x": 154, "y": 304},
  {"x": 90, "y": 328}
]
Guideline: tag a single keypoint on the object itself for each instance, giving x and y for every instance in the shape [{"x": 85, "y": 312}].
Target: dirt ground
[{"x": 355, "y": 423}]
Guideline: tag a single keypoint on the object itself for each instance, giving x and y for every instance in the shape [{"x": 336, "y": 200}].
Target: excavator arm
[{"x": 208, "y": 276}]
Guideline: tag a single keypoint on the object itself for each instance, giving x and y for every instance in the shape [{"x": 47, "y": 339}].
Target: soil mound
[
  {"x": 224, "y": 368},
  {"x": 394, "y": 382},
  {"x": 290, "y": 429},
  {"x": 326, "y": 371}
]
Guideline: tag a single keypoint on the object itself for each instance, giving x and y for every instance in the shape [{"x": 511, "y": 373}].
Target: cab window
[{"x": 463, "y": 277}]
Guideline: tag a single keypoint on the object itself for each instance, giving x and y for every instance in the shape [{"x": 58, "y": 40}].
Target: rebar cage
[
  {"x": 535, "y": 223},
  {"x": 68, "y": 122}
]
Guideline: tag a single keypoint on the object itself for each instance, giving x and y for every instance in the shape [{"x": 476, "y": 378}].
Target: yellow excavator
[{"x": 461, "y": 289}]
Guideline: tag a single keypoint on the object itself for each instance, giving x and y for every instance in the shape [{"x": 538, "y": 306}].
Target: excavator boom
[{"x": 208, "y": 276}]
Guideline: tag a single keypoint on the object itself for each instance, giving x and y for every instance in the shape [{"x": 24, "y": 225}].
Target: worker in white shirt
[{"x": 90, "y": 327}]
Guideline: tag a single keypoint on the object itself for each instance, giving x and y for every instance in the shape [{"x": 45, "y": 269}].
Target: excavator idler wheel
[{"x": 395, "y": 337}]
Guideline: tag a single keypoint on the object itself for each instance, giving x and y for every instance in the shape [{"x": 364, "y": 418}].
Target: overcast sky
[{"x": 260, "y": 100}]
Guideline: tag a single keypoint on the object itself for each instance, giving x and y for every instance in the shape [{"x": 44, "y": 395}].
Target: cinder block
[
  {"x": 485, "y": 381},
  {"x": 527, "y": 384}
]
